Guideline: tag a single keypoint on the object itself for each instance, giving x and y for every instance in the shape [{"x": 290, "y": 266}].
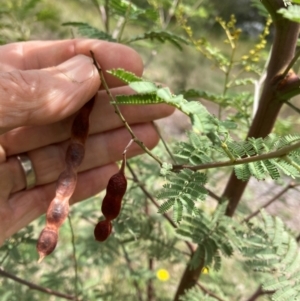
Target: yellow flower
[
  {"x": 205, "y": 270},
  {"x": 162, "y": 275}
]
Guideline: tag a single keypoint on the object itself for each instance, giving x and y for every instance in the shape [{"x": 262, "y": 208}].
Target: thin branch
[
  {"x": 35, "y": 286},
  {"x": 74, "y": 258},
  {"x": 150, "y": 288},
  {"x": 103, "y": 11},
  {"x": 272, "y": 155},
  {"x": 208, "y": 292},
  {"x": 197, "y": 5},
  {"x": 123, "y": 24},
  {"x": 5, "y": 256},
  {"x": 259, "y": 292},
  {"x": 117, "y": 28},
  {"x": 291, "y": 64},
  {"x": 118, "y": 112},
  {"x": 135, "y": 283},
  {"x": 150, "y": 197},
  {"x": 171, "y": 13},
  {"x": 214, "y": 196},
  {"x": 293, "y": 107},
  {"x": 276, "y": 197},
  {"x": 164, "y": 142}
]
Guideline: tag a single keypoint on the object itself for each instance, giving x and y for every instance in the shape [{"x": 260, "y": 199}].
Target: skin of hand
[{"x": 42, "y": 86}]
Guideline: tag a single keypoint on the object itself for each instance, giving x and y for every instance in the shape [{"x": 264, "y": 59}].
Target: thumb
[{"x": 35, "y": 97}]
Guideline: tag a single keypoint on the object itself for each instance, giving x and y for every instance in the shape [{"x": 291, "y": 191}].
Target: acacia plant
[{"x": 179, "y": 212}]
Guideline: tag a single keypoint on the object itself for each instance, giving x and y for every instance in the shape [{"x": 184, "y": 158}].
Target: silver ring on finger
[{"x": 29, "y": 173}]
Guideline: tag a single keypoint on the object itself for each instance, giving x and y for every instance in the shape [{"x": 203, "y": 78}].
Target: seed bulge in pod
[
  {"x": 46, "y": 242},
  {"x": 102, "y": 230}
]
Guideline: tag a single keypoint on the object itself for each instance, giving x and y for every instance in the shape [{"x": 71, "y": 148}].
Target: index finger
[{"x": 42, "y": 54}]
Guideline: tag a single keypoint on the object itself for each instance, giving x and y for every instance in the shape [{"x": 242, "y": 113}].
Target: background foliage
[{"x": 173, "y": 213}]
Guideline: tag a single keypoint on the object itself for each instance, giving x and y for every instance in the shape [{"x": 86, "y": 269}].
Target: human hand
[{"x": 42, "y": 86}]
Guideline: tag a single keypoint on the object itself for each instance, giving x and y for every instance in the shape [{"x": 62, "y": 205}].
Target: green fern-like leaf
[
  {"x": 178, "y": 209},
  {"x": 261, "y": 9},
  {"x": 193, "y": 93},
  {"x": 202, "y": 120},
  {"x": 195, "y": 294},
  {"x": 86, "y": 30},
  {"x": 292, "y": 13},
  {"x": 139, "y": 99},
  {"x": 271, "y": 249},
  {"x": 131, "y": 11},
  {"x": 161, "y": 36},
  {"x": 125, "y": 76},
  {"x": 182, "y": 190},
  {"x": 210, "y": 233},
  {"x": 242, "y": 172}
]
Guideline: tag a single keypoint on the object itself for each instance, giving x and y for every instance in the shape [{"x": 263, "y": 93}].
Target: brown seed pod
[
  {"x": 47, "y": 242},
  {"x": 115, "y": 191},
  {"x": 111, "y": 205},
  {"x": 102, "y": 230},
  {"x": 58, "y": 209}
]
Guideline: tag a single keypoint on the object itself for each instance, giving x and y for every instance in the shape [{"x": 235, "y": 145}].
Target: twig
[
  {"x": 259, "y": 292},
  {"x": 208, "y": 292},
  {"x": 277, "y": 196},
  {"x": 123, "y": 24},
  {"x": 272, "y": 155},
  {"x": 171, "y": 13},
  {"x": 118, "y": 112},
  {"x": 291, "y": 64},
  {"x": 164, "y": 142},
  {"x": 117, "y": 28},
  {"x": 293, "y": 107},
  {"x": 136, "y": 285},
  {"x": 213, "y": 195},
  {"x": 74, "y": 258},
  {"x": 36, "y": 287},
  {"x": 148, "y": 194},
  {"x": 150, "y": 288},
  {"x": 103, "y": 11}
]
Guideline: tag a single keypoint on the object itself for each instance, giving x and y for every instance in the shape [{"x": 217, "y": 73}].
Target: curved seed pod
[
  {"x": 102, "y": 230},
  {"x": 115, "y": 191},
  {"x": 112, "y": 202},
  {"x": 47, "y": 242},
  {"x": 58, "y": 209}
]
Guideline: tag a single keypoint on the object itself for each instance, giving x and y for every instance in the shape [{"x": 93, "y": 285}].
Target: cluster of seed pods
[
  {"x": 58, "y": 209},
  {"x": 112, "y": 202}
]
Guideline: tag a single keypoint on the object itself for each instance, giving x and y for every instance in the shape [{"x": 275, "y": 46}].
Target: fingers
[
  {"x": 44, "y": 54},
  {"x": 44, "y": 96},
  {"x": 33, "y": 96},
  {"x": 26, "y": 206},
  {"x": 103, "y": 118},
  {"x": 49, "y": 161}
]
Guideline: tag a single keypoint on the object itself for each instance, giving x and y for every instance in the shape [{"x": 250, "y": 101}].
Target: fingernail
[{"x": 78, "y": 69}]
